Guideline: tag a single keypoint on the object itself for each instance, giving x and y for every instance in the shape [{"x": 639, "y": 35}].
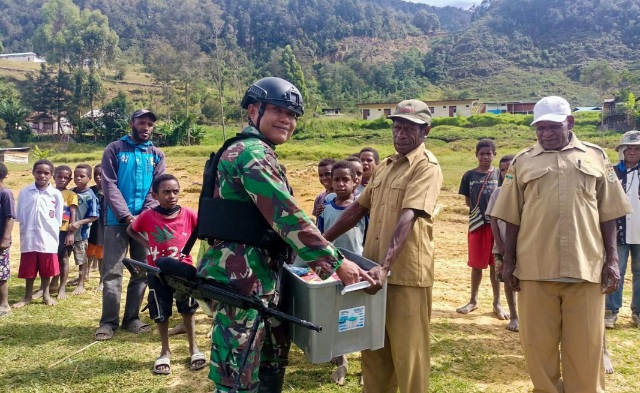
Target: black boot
[{"x": 271, "y": 379}]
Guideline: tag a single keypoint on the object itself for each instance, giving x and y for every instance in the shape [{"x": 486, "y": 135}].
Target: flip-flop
[
  {"x": 162, "y": 361},
  {"x": 198, "y": 361},
  {"x": 105, "y": 332},
  {"x": 137, "y": 327}
]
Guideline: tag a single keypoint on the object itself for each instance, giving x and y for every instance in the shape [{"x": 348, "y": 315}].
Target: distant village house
[
  {"x": 19, "y": 155},
  {"x": 45, "y": 124},
  {"x": 26, "y": 56},
  {"x": 444, "y": 108},
  {"x": 513, "y": 107},
  {"x": 331, "y": 111}
]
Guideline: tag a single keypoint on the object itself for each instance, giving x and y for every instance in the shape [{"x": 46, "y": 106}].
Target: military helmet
[{"x": 275, "y": 91}]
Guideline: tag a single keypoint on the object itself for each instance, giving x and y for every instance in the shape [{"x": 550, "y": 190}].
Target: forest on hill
[{"x": 203, "y": 53}]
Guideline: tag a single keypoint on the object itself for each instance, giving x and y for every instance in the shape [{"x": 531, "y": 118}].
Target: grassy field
[{"x": 473, "y": 353}]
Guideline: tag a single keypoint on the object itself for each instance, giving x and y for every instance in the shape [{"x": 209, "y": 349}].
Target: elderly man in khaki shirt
[
  {"x": 401, "y": 196},
  {"x": 560, "y": 199}
]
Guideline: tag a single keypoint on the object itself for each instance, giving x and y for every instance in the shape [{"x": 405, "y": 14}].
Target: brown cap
[
  {"x": 415, "y": 111},
  {"x": 143, "y": 112}
]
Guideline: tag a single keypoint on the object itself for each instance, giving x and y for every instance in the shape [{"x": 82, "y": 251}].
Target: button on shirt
[
  {"x": 40, "y": 216},
  {"x": 559, "y": 199},
  {"x": 400, "y": 182}
]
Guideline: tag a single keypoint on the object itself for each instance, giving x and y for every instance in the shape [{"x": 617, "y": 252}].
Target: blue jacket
[{"x": 128, "y": 169}]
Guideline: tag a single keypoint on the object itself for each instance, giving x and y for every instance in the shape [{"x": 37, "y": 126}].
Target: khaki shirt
[
  {"x": 559, "y": 199},
  {"x": 403, "y": 182}
]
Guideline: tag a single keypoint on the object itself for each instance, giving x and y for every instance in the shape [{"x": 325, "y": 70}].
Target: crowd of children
[
  {"x": 344, "y": 181},
  {"x": 54, "y": 223}
]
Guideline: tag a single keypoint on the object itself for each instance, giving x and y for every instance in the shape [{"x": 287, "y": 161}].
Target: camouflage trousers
[{"x": 229, "y": 341}]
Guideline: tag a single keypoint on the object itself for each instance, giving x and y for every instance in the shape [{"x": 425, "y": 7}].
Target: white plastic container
[{"x": 350, "y": 322}]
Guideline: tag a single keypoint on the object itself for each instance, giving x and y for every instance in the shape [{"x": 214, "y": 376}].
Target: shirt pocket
[
  {"x": 396, "y": 193},
  {"x": 585, "y": 181},
  {"x": 533, "y": 181}
]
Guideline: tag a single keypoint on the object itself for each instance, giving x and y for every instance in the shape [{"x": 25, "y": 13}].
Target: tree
[
  {"x": 600, "y": 75},
  {"x": 293, "y": 72},
  {"x": 115, "y": 117},
  {"x": 14, "y": 115},
  {"x": 426, "y": 21},
  {"x": 632, "y": 110}
]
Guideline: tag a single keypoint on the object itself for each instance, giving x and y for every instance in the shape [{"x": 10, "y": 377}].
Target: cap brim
[
  {"x": 550, "y": 117},
  {"x": 412, "y": 119},
  {"x": 626, "y": 144}
]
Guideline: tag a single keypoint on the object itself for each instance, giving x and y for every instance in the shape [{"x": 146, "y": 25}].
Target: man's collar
[
  {"x": 129, "y": 140},
  {"x": 574, "y": 143},
  {"x": 411, "y": 156},
  {"x": 254, "y": 131}
]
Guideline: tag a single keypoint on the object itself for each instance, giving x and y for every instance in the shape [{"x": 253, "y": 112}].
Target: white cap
[{"x": 551, "y": 108}]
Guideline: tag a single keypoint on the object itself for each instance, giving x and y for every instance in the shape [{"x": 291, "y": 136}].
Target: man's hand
[
  {"x": 379, "y": 274},
  {"x": 6, "y": 243},
  {"x": 350, "y": 273},
  {"x": 74, "y": 226},
  {"x": 508, "y": 268},
  {"x": 610, "y": 275},
  {"x": 68, "y": 241}
]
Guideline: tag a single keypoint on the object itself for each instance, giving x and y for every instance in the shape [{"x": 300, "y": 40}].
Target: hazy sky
[{"x": 465, "y": 4}]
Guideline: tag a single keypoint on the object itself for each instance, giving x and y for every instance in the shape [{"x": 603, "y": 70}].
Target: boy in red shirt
[{"x": 166, "y": 229}]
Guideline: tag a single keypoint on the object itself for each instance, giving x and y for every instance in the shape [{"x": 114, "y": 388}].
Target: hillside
[
  {"x": 541, "y": 41},
  {"x": 350, "y": 51}
]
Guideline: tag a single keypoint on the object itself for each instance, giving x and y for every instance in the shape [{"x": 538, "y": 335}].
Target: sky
[{"x": 464, "y": 4}]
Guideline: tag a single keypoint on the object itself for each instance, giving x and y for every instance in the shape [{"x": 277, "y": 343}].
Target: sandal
[
  {"x": 162, "y": 361},
  {"x": 137, "y": 327},
  {"x": 198, "y": 361},
  {"x": 104, "y": 333}
]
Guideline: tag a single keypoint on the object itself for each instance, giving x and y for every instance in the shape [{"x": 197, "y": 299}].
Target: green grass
[{"x": 471, "y": 353}]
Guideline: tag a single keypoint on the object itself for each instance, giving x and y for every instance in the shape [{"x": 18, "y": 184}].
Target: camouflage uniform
[{"x": 248, "y": 171}]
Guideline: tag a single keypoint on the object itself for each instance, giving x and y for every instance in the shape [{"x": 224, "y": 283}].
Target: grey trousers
[{"x": 116, "y": 243}]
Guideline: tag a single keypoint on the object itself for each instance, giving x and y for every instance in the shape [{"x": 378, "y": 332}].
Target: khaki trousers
[
  {"x": 404, "y": 362},
  {"x": 569, "y": 315}
]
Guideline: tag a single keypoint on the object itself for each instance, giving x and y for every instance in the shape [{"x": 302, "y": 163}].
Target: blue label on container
[{"x": 351, "y": 318}]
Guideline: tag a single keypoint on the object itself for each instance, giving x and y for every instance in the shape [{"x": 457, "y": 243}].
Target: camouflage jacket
[{"x": 248, "y": 171}]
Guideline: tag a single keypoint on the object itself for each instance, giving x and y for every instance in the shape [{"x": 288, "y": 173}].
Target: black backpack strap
[{"x": 210, "y": 180}]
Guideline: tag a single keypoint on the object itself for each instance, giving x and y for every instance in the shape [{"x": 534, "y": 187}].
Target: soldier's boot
[{"x": 271, "y": 379}]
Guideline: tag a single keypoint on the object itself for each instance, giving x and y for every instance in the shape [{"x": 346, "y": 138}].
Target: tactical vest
[{"x": 232, "y": 220}]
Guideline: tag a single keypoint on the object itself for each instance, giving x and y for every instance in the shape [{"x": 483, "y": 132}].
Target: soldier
[
  {"x": 560, "y": 199},
  {"x": 248, "y": 172}
]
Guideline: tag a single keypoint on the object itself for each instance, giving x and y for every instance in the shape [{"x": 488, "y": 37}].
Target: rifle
[{"x": 182, "y": 277}]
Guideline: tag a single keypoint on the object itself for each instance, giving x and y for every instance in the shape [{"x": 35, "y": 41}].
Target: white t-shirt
[
  {"x": 40, "y": 216},
  {"x": 633, "y": 219}
]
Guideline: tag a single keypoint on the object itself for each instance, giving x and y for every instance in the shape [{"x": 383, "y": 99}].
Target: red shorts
[
  {"x": 32, "y": 263},
  {"x": 95, "y": 251},
  {"x": 480, "y": 245}
]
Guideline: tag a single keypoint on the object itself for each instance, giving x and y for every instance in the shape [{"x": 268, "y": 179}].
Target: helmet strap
[{"x": 256, "y": 125}]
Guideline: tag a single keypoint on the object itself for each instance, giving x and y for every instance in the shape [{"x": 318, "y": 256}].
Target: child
[
  {"x": 370, "y": 160},
  {"x": 358, "y": 170},
  {"x": 324, "y": 175},
  {"x": 498, "y": 229},
  {"x": 62, "y": 178},
  {"x": 167, "y": 229},
  {"x": 343, "y": 175},
  {"x": 87, "y": 214},
  {"x": 7, "y": 217},
  {"x": 39, "y": 213},
  {"x": 477, "y": 186},
  {"x": 96, "y": 233}
]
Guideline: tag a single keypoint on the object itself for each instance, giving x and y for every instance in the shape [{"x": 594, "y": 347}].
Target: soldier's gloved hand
[
  {"x": 610, "y": 275},
  {"x": 350, "y": 273}
]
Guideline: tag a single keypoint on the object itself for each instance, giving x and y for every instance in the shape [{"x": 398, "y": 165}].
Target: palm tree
[{"x": 15, "y": 115}]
